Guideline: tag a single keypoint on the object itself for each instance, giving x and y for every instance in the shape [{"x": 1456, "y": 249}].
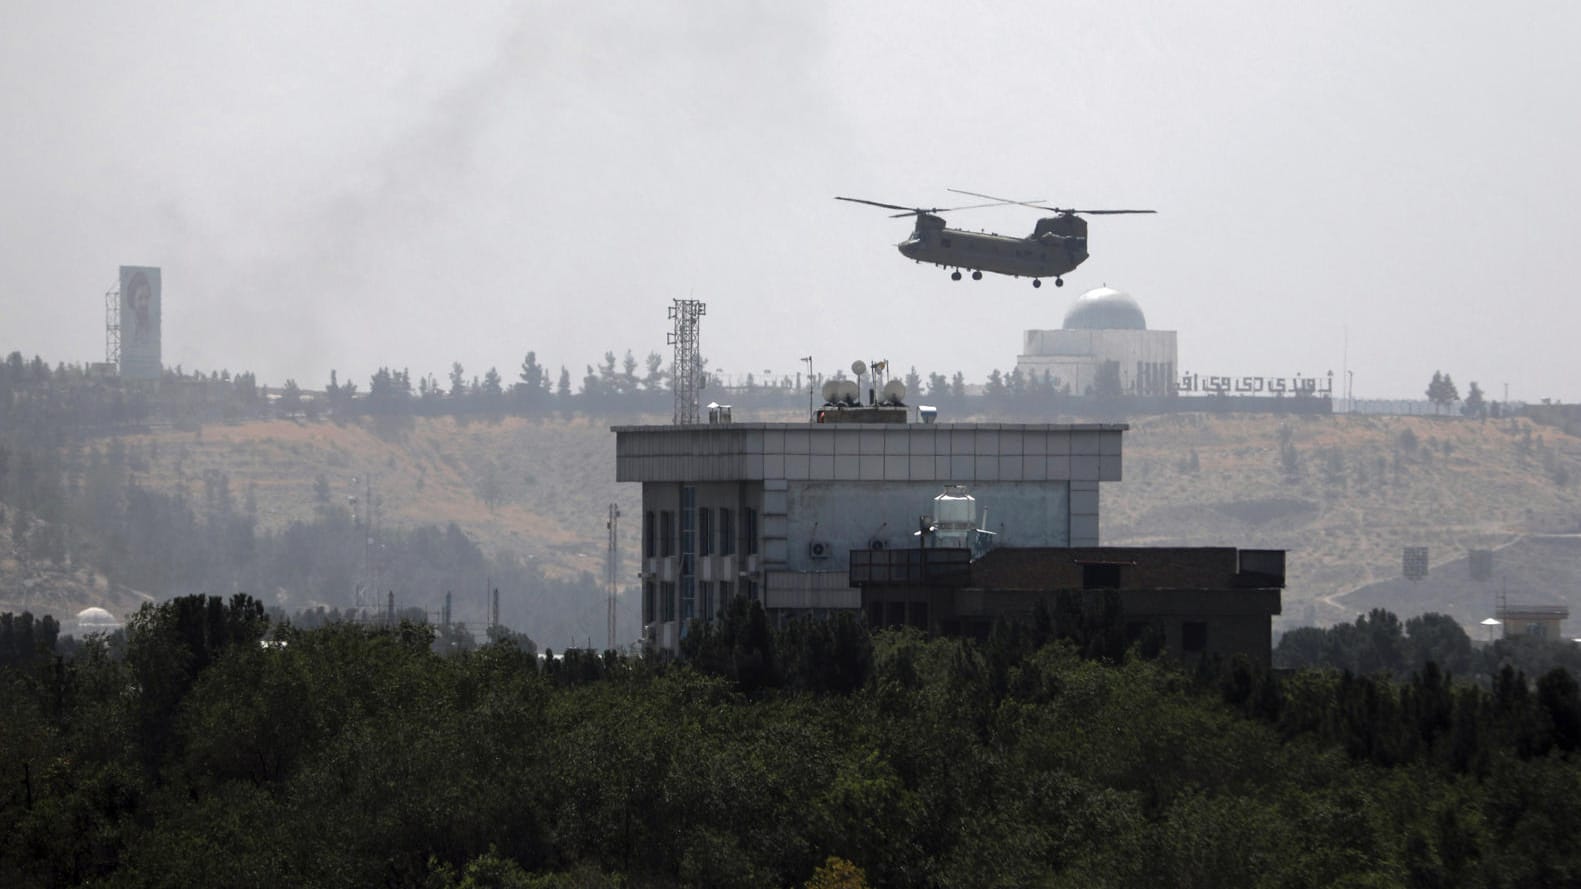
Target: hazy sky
[{"x": 349, "y": 185}]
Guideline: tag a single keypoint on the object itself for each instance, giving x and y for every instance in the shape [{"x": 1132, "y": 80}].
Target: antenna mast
[{"x": 686, "y": 366}]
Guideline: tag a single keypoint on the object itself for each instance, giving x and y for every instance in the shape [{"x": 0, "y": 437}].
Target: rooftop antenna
[{"x": 685, "y": 367}]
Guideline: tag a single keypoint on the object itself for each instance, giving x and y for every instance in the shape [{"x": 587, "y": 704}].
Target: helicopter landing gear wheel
[
  {"x": 1059, "y": 282},
  {"x": 1037, "y": 282},
  {"x": 955, "y": 275},
  {"x": 977, "y": 276}
]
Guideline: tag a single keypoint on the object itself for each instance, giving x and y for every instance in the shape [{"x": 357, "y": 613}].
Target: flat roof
[{"x": 1042, "y": 427}]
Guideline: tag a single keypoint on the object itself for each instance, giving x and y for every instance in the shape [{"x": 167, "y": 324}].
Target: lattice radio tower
[
  {"x": 112, "y": 327},
  {"x": 686, "y": 367}
]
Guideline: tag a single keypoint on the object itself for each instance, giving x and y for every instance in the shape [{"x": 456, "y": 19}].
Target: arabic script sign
[{"x": 1296, "y": 385}]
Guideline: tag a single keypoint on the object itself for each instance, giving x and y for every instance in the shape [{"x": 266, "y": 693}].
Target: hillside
[
  {"x": 1343, "y": 494},
  {"x": 550, "y": 481}
]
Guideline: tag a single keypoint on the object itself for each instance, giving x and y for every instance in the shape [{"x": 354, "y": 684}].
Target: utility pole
[
  {"x": 810, "y": 387},
  {"x": 612, "y": 567}
]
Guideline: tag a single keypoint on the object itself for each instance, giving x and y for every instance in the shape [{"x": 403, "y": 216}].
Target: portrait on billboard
[
  {"x": 140, "y": 317},
  {"x": 140, "y": 305}
]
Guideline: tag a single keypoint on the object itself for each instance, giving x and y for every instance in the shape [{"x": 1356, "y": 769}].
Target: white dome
[
  {"x": 1105, "y": 308},
  {"x": 96, "y": 620}
]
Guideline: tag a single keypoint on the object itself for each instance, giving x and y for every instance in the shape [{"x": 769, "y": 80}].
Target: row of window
[
  {"x": 715, "y": 531},
  {"x": 660, "y": 602}
]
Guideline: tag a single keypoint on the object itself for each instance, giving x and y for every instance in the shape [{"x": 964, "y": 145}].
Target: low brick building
[{"x": 1192, "y": 601}]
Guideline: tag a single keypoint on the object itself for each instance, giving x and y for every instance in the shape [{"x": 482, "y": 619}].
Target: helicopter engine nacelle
[
  {"x": 1067, "y": 231},
  {"x": 1064, "y": 226}
]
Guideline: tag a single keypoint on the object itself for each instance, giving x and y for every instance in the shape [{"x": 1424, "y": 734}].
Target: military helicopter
[{"x": 1057, "y": 244}]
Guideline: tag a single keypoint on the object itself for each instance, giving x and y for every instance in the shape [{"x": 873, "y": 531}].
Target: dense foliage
[
  {"x": 1379, "y": 642},
  {"x": 188, "y": 753}
]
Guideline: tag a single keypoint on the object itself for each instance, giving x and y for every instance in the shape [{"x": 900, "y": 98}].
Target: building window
[
  {"x": 648, "y": 594},
  {"x": 749, "y": 588},
  {"x": 1194, "y": 636},
  {"x": 1100, "y": 577},
  {"x": 894, "y": 614},
  {"x": 705, "y": 593},
  {"x": 705, "y": 532},
  {"x": 667, "y": 600},
  {"x": 749, "y": 522},
  {"x": 666, "y": 533},
  {"x": 727, "y": 533},
  {"x": 688, "y": 553},
  {"x": 726, "y": 591},
  {"x": 648, "y": 548},
  {"x": 688, "y": 521}
]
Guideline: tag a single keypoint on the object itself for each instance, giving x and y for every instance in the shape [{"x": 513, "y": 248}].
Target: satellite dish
[
  {"x": 858, "y": 367},
  {"x": 831, "y": 391},
  {"x": 894, "y": 392},
  {"x": 850, "y": 392}
]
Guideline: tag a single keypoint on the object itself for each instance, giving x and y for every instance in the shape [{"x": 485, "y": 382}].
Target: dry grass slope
[{"x": 1344, "y": 494}]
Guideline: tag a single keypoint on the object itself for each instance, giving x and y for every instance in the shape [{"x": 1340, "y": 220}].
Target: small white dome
[{"x": 96, "y": 620}]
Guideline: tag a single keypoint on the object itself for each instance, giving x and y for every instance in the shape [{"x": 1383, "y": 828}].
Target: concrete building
[
  {"x": 1102, "y": 326},
  {"x": 773, "y": 510},
  {"x": 1195, "y": 601},
  {"x": 1535, "y": 621}
]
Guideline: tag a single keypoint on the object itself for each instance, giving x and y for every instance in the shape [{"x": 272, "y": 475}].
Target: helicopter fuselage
[{"x": 1056, "y": 246}]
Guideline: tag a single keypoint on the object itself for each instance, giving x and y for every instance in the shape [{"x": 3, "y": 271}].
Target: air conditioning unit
[{"x": 819, "y": 549}]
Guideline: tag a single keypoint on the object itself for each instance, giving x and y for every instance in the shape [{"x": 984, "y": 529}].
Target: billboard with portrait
[{"x": 140, "y": 317}]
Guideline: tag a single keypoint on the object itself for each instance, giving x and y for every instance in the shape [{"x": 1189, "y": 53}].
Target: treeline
[
  {"x": 1379, "y": 642},
  {"x": 354, "y": 756},
  {"x": 83, "y": 509},
  {"x": 71, "y": 401}
]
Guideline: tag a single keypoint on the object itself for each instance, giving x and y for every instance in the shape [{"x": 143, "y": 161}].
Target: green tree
[
  {"x": 653, "y": 381},
  {"x": 1441, "y": 391},
  {"x": 290, "y": 401},
  {"x": 562, "y": 392},
  {"x": 531, "y": 386},
  {"x": 1476, "y": 404},
  {"x": 1106, "y": 382}
]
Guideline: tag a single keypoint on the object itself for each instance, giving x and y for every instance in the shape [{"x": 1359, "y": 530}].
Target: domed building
[
  {"x": 95, "y": 620},
  {"x": 1103, "y": 325}
]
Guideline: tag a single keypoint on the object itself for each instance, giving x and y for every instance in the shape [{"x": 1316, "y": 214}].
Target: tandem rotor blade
[
  {"x": 909, "y": 211},
  {"x": 990, "y": 197},
  {"x": 1106, "y": 212},
  {"x": 918, "y": 211},
  {"x": 1037, "y": 206}
]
